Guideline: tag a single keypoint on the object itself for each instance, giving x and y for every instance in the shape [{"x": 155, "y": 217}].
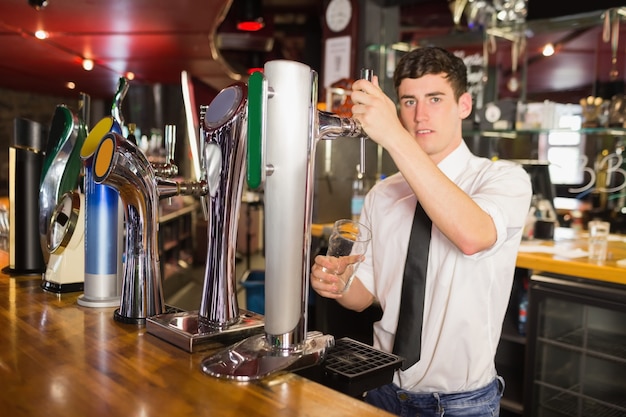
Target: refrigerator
[{"x": 576, "y": 348}]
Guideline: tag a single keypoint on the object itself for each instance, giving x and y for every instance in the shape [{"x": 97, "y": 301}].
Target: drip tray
[
  {"x": 354, "y": 368},
  {"x": 185, "y": 330}
]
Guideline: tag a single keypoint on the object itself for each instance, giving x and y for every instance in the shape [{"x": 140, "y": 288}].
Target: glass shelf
[
  {"x": 603, "y": 344},
  {"x": 512, "y": 134}
]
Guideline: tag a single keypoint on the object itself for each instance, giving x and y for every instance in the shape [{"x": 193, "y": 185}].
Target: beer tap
[
  {"x": 284, "y": 127},
  {"x": 223, "y": 150},
  {"x": 366, "y": 74},
  {"x": 167, "y": 169}
]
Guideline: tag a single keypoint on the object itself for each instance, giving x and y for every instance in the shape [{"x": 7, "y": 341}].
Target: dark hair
[{"x": 432, "y": 60}]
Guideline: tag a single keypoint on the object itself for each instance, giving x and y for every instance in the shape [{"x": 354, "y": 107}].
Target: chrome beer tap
[
  {"x": 167, "y": 169},
  {"x": 284, "y": 127},
  {"x": 223, "y": 150},
  {"x": 121, "y": 165},
  {"x": 366, "y": 74}
]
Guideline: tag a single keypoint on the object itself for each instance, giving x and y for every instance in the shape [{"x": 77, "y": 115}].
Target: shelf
[
  {"x": 512, "y": 134},
  {"x": 176, "y": 236},
  {"x": 569, "y": 402},
  {"x": 595, "y": 342},
  {"x": 169, "y": 245},
  {"x": 512, "y": 398},
  {"x": 510, "y": 332},
  {"x": 172, "y": 215}
]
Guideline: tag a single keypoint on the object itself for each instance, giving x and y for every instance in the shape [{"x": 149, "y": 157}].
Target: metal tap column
[{"x": 288, "y": 156}]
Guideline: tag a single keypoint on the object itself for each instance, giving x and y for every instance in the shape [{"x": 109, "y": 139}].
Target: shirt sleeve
[{"x": 506, "y": 198}]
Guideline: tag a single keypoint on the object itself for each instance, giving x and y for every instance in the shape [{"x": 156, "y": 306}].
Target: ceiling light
[
  {"x": 130, "y": 75},
  {"x": 548, "y": 50},
  {"x": 87, "y": 64},
  {"x": 70, "y": 85},
  {"x": 249, "y": 18},
  {"x": 41, "y": 34},
  {"x": 38, "y": 4}
]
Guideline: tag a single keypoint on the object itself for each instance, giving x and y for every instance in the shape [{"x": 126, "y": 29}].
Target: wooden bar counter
[
  {"x": 61, "y": 359},
  {"x": 568, "y": 241}
]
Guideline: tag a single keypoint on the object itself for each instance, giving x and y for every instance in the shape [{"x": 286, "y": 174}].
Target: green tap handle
[{"x": 256, "y": 100}]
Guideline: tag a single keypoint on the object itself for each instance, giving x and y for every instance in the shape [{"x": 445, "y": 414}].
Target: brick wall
[
  {"x": 18, "y": 104},
  {"x": 150, "y": 107}
]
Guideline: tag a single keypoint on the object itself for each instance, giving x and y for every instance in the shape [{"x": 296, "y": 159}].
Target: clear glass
[
  {"x": 348, "y": 241},
  {"x": 598, "y": 240}
]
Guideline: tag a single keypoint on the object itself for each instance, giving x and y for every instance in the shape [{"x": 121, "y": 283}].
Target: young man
[{"x": 477, "y": 208}]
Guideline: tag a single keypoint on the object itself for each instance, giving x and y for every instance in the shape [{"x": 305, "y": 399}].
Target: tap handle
[
  {"x": 116, "y": 108},
  {"x": 170, "y": 143},
  {"x": 257, "y": 92},
  {"x": 366, "y": 74}
]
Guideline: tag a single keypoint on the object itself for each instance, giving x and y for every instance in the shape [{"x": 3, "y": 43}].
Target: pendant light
[{"x": 250, "y": 18}]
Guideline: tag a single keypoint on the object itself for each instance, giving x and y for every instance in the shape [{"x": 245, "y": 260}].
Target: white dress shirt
[{"x": 466, "y": 296}]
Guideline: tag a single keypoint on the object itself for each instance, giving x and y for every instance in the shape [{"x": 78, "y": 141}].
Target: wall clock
[{"x": 338, "y": 15}]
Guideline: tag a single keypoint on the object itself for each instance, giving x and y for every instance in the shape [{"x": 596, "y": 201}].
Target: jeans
[{"x": 483, "y": 402}]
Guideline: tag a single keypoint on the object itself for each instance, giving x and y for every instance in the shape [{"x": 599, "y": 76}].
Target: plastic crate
[{"x": 354, "y": 368}]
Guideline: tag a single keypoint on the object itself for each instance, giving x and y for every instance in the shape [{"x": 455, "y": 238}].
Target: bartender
[{"x": 466, "y": 212}]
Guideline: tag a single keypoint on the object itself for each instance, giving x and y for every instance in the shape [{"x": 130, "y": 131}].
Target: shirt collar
[{"x": 455, "y": 163}]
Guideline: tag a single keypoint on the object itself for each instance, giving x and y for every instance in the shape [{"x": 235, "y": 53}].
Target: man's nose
[{"x": 420, "y": 113}]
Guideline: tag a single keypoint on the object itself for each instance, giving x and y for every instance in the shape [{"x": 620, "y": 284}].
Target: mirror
[{"x": 587, "y": 60}]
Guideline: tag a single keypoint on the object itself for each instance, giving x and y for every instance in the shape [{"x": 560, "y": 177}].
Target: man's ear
[{"x": 465, "y": 105}]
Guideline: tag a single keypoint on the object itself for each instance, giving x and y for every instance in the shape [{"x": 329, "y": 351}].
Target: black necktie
[{"x": 409, "y": 331}]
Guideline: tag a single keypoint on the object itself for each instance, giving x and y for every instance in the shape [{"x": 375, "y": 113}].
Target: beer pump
[
  {"x": 284, "y": 127},
  {"x": 223, "y": 150}
]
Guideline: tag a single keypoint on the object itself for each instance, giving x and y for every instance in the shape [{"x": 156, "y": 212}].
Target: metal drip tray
[
  {"x": 185, "y": 330},
  {"x": 353, "y": 367}
]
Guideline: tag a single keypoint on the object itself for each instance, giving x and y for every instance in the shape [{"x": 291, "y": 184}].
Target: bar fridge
[{"x": 576, "y": 350}]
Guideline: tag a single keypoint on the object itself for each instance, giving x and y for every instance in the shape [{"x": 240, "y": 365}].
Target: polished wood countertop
[
  {"x": 568, "y": 241},
  {"x": 61, "y": 359}
]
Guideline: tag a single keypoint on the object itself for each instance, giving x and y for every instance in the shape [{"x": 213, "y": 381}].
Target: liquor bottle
[
  {"x": 523, "y": 309},
  {"x": 358, "y": 194},
  {"x": 131, "y": 133}
]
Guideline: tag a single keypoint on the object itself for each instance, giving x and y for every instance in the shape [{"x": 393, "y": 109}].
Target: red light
[
  {"x": 251, "y": 25},
  {"x": 253, "y": 70}
]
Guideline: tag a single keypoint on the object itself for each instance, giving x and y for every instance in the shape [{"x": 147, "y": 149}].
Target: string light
[
  {"x": 87, "y": 64},
  {"x": 41, "y": 34},
  {"x": 548, "y": 50}
]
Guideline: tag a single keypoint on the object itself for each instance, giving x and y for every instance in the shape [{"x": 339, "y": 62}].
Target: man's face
[{"x": 429, "y": 111}]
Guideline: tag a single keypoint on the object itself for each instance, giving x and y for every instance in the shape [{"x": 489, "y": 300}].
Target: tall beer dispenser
[
  {"x": 26, "y": 155},
  {"x": 284, "y": 127}
]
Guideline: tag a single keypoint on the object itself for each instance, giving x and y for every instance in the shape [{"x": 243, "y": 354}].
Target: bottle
[
  {"x": 531, "y": 218},
  {"x": 523, "y": 309},
  {"x": 577, "y": 221},
  {"x": 358, "y": 194},
  {"x": 131, "y": 133}
]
